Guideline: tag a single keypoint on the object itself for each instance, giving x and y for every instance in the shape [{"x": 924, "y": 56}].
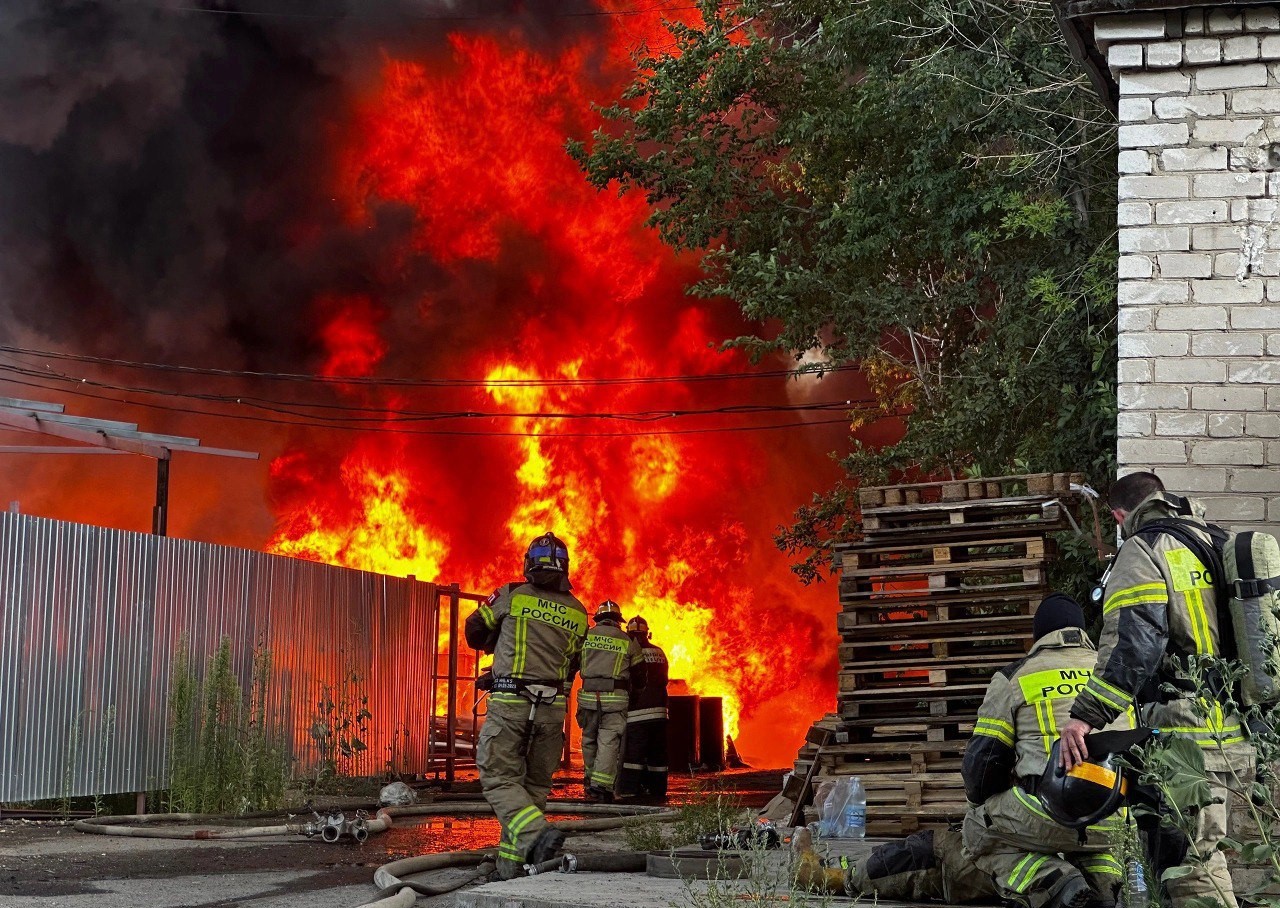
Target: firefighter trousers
[
  {"x": 1030, "y": 858},
  {"x": 1210, "y": 877},
  {"x": 602, "y": 733},
  {"x": 516, "y": 759},
  {"x": 926, "y": 866},
  {"x": 644, "y": 760}
]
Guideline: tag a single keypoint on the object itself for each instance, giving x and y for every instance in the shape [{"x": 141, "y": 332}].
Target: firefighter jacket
[
  {"x": 650, "y": 701},
  {"x": 535, "y": 636},
  {"x": 1025, "y": 705},
  {"x": 612, "y": 664},
  {"x": 1158, "y": 608}
]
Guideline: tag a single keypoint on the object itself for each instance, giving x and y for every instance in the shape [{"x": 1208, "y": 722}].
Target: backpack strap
[
  {"x": 1210, "y": 555},
  {"x": 1250, "y": 586}
]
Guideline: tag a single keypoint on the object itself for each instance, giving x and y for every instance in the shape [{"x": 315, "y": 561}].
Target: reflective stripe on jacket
[
  {"x": 608, "y": 654},
  {"x": 1159, "y": 607},
  {"x": 539, "y": 634}
]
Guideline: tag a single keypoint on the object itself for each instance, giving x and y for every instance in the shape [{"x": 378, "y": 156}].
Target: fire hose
[
  {"x": 394, "y": 891},
  {"x": 332, "y": 825}
]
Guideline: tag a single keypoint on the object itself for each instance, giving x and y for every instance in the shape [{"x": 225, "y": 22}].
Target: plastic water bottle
[
  {"x": 1136, "y": 894},
  {"x": 854, "y": 821},
  {"x": 827, "y": 820}
]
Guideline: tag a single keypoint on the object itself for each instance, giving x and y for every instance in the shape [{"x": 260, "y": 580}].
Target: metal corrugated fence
[{"x": 92, "y": 619}]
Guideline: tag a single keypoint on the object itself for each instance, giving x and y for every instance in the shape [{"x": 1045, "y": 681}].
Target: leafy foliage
[
  {"x": 226, "y": 756},
  {"x": 921, "y": 187},
  {"x": 709, "y": 811},
  {"x": 1175, "y": 765},
  {"x": 339, "y": 726}
]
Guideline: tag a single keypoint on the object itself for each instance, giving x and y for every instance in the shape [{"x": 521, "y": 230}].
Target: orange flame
[{"x": 550, "y": 281}]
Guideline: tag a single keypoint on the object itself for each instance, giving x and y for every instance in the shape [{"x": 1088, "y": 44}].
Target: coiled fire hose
[{"x": 395, "y": 892}]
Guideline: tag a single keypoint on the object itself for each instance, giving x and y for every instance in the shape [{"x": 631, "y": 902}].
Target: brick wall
[{"x": 1199, "y": 235}]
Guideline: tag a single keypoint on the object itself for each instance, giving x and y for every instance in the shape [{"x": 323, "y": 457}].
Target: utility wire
[
  {"x": 383, "y": 415},
  {"x": 817, "y": 369},
  {"x": 398, "y": 430},
  {"x": 403, "y": 16}
]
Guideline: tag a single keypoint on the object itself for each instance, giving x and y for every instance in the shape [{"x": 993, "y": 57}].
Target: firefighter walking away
[
  {"x": 612, "y": 669},
  {"x": 644, "y": 755},
  {"x": 535, "y": 632}
]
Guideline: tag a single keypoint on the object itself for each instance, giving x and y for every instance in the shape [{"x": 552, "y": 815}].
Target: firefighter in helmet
[
  {"x": 644, "y": 755},
  {"x": 535, "y": 631},
  {"x": 612, "y": 666}
]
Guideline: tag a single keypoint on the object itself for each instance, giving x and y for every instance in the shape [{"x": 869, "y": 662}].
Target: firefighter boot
[
  {"x": 1075, "y": 892},
  {"x": 548, "y": 844}
]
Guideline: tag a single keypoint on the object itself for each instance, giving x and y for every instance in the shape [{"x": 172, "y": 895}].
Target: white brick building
[{"x": 1197, "y": 90}]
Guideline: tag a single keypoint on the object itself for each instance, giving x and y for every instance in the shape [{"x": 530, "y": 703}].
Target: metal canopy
[
  {"x": 49, "y": 419},
  {"x": 105, "y": 436}
]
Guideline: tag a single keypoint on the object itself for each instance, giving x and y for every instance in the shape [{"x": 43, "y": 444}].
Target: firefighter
[
  {"x": 535, "y": 632},
  {"x": 644, "y": 754},
  {"x": 612, "y": 666},
  {"x": 1160, "y": 608},
  {"x": 1032, "y": 860}
]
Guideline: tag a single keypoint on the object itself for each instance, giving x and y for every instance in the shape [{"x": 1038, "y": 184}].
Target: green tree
[{"x": 922, "y": 187}]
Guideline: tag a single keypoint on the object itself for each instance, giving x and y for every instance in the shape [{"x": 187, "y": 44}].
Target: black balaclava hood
[{"x": 1057, "y": 611}]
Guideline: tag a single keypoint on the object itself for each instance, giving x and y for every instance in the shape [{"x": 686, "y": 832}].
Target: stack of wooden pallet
[{"x": 937, "y": 595}]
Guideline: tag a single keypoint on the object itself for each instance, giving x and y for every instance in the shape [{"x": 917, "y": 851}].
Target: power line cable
[
  {"x": 399, "y": 430},
  {"x": 817, "y": 369},
  {"x": 382, "y": 415},
  {"x": 402, "y": 17}
]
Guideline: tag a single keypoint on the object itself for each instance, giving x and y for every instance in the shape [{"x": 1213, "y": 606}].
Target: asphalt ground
[{"x": 48, "y": 864}]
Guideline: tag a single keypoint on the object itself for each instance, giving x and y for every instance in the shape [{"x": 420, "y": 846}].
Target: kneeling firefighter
[
  {"x": 1033, "y": 859},
  {"x": 612, "y": 666},
  {"x": 644, "y": 754},
  {"x": 535, "y": 632},
  {"x": 934, "y": 865}
]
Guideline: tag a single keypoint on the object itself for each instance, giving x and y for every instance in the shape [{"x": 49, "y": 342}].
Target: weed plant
[
  {"x": 1175, "y": 765},
  {"x": 766, "y": 876},
  {"x": 339, "y": 727},
  {"x": 69, "y": 767},
  {"x": 710, "y": 810},
  {"x": 106, "y": 733},
  {"x": 227, "y": 756}
]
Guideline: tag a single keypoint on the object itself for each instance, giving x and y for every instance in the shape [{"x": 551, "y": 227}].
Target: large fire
[{"x": 545, "y": 287}]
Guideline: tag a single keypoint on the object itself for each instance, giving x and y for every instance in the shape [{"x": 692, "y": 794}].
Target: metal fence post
[{"x": 451, "y": 723}]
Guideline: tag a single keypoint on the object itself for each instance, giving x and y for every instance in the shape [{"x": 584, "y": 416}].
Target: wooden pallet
[
  {"x": 904, "y": 822},
  {"x": 924, "y": 625},
  {"x": 890, "y": 732},
  {"x": 868, "y": 555},
  {"x": 1008, "y": 645},
  {"x": 862, "y": 751},
  {"x": 948, "y": 587},
  {"x": 899, "y": 572},
  {"x": 969, "y": 489},
  {"x": 920, "y": 668},
  {"x": 908, "y": 703},
  {"x": 937, "y": 596},
  {"x": 997, "y": 517}
]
